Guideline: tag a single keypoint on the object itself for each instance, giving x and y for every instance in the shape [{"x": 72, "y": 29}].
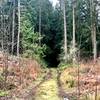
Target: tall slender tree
[
  {"x": 13, "y": 26},
  {"x": 65, "y": 32},
  {"x": 18, "y": 37},
  {"x": 74, "y": 42},
  {"x": 1, "y": 26},
  {"x": 93, "y": 28},
  {"x": 39, "y": 22}
]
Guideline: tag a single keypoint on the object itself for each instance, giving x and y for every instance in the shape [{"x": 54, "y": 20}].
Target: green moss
[
  {"x": 48, "y": 91},
  {"x": 63, "y": 66},
  {"x": 3, "y": 93},
  {"x": 1, "y": 78}
]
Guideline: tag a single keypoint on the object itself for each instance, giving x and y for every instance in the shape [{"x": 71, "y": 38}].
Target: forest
[{"x": 49, "y": 52}]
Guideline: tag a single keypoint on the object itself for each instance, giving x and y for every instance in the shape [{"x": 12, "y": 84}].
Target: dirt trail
[
  {"x": 29, "y": 93},
  {"x": 51, "y": 89},
  {"x": 48, "y": 90},
  {"x": 33, "y": 91}
]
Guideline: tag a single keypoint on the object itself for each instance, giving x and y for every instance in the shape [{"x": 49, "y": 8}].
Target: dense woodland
[
  {"x": 38, "y": 29},
  {"x": 55, "y": 36}
]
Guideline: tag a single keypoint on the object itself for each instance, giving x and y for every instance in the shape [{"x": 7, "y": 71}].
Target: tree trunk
[
  {"x": 94, "y": 43},
  {"x": 18, "y": 37},
  {"x": 39, "y": 22},
  {"x": 74, "y": 48},
  {"x": 13, "y": 26},
  {"x": 93, "y": 29},
  {"x": 3, "y": 29},
  {"x": 1, "y": 21},
  {"x": 65, "y": 32}
]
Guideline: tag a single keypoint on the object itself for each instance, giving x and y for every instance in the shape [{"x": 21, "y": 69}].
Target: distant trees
[{"x": 85, "y": 15}]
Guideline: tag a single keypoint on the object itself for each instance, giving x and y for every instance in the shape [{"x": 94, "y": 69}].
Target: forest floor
[
  {"x": 43, "y": 88},
  {"x": 30, "y": 82},
  {"x": 54, "y": 84}
]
